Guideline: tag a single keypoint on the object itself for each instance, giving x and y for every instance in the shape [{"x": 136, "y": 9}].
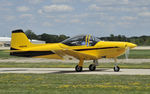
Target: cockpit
[{"x": 80, "y": 40}]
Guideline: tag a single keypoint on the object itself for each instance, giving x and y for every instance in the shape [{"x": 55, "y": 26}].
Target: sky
[{"x": 73, "y": 17}]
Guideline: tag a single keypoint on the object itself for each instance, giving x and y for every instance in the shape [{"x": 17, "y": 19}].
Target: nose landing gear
[{"x": 116, "y": 68}]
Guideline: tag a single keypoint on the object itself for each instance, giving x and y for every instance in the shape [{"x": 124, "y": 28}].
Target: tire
[
  {"x": 92, "y": 67},
  {"x": 116, "y": 69},
  {"x": 78, "y": 68}
]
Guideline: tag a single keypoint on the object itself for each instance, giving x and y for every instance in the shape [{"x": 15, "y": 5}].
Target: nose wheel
[
  {"x": 116, "y": 69},
  {"x": 92, "y": 67}
]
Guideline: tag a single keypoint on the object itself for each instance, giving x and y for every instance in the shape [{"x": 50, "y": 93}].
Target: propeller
[
  {"x": 128, "y": 46},
  {"x": 127, "y": 52}
]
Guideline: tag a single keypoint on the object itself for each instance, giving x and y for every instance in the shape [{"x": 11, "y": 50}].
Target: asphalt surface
[
  {"x": 43, "y": 60},
  {"x": 99, "y": 71}
]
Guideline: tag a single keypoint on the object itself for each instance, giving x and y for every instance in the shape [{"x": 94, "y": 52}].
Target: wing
[
  {"x": 78, "y": 55},
  {"x": 66, "y": 54}
]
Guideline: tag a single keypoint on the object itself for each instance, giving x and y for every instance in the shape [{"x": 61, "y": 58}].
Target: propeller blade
[{"x": 127, "y": 52}]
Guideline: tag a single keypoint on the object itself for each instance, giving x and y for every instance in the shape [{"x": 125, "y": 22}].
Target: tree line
[
  {"x": 140, "y": 41},
  {"x": 49, "y": 38}
]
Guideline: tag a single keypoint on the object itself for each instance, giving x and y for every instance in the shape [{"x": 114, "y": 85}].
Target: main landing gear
[
  {"x": 92, "y": 67},
  {"x": 78, "y": 68}
]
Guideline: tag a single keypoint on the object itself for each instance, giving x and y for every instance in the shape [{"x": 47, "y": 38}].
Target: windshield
[{"x": 81, "y": 40}]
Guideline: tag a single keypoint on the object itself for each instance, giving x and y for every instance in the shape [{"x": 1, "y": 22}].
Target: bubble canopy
[{"x": 80, "y": 40}]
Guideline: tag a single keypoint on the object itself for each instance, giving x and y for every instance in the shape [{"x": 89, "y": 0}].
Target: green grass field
[
  {"x": 136, "y": 54},
  {"x": 73, "y": 84},
  {"x": 4, "y": 54}
]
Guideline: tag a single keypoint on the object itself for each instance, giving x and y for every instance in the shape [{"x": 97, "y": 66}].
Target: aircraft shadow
[
  {"x": 73, "y": 71},
  {"x": 62, "y": 72}
]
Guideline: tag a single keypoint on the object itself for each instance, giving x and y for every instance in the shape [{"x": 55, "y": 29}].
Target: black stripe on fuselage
[
  {"x": 30, "y": 53},
  {"x": 95, "y": 48},
  {"x": 40, "y": 53},
  {"x": 13, "y": 49}
]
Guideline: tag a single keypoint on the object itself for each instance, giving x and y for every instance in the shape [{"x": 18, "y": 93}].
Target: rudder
[{"x": 19, "y": 40}]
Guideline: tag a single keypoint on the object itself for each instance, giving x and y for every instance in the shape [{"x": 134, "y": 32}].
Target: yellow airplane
[{"x": 82, "y": 47}]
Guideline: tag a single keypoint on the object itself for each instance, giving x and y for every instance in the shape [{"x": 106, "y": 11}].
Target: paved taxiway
[{"x": 99, "y": 71}]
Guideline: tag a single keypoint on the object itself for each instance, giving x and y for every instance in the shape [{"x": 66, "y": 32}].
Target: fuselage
[{"x": 102, "y": 49}]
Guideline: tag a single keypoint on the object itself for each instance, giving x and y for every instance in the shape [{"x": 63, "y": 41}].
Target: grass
[
  {"x": 136, "y": 54},
  {"x": 73, "y": 84},
  {"x": 4, "y": 54},
  {"x": 72, "y": 65}
]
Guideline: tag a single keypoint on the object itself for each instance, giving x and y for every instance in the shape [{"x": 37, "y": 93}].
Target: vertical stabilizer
[{"x": 19, "y": 40}]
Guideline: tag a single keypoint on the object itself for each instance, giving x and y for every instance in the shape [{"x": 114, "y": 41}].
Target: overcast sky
[{"x": 73, "y": 17}]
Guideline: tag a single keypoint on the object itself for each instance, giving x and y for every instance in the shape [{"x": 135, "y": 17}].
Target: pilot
[{"x": 83, "y": 43}]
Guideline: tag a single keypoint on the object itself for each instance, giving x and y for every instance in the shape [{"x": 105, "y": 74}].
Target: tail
[{"x": 19, "y": 40}]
